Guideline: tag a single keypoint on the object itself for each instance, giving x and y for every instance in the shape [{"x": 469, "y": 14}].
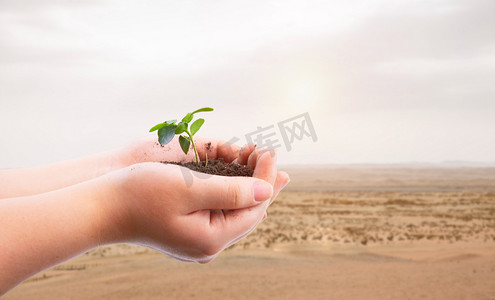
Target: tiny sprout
[{"x": 168, "y": 129}]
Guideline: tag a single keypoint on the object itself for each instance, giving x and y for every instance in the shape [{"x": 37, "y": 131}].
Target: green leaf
[
  {"x": 161, "y": 125},
  {"x": 181, "y": 127},
  {"x": 166, "y": 134},
  {"x": 184, "y": 144},
  {"x": 203, "y": 109},
  {"x": 158, "y": 126},
  {"x": 196, "y": 125},
  {"x": 188, "y": 118}
]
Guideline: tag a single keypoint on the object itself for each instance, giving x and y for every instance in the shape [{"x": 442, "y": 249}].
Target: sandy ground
[{"x": 335, "y": 233}]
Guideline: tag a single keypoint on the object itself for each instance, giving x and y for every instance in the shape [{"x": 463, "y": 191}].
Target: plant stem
[{"x": 194, "y": 147}]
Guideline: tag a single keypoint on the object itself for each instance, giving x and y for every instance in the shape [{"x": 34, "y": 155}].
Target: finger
[
  {"x": 244, "y": 153},
  {"x": 265, "y": 169},
  {"x": 216, "y": 149},
  {"x": 228, "y": 193},
  {"x": 282, "y": 180},
  {"x": 235, "y": 225},
  {"x": 252, "y": 213},
  {"x": 256, "y": 154},
  {"x": 265, "y": 166},
  {"x": 253, "y": 158}
]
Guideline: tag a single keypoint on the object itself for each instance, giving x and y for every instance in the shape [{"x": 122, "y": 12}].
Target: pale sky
[{"x": 383, "y": 81}]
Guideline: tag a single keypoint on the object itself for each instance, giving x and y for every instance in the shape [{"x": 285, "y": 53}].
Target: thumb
[{"x": 221, "y": 192}]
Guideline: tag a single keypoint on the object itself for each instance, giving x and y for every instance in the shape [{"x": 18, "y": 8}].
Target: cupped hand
[
  {"x": 194, "y": 221},
  {"x": 149, "y": 150}
]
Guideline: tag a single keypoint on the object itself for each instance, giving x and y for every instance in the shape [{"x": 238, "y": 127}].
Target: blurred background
[
  {"x": 382, "y": 81},
  {"x": 401, "y": 100}
]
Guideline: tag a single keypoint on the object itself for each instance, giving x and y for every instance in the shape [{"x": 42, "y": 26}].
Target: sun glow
[
  {"x": 304, "y": 94},
  {"x": 302, "y": 91}
]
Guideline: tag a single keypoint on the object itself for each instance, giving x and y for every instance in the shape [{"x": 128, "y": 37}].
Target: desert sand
[{"x": 336, "y": 232}]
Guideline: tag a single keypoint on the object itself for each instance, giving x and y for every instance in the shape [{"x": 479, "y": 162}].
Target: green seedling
[{"x": 168, "y": 129}]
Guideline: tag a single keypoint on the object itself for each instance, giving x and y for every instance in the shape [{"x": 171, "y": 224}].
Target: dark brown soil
[{"x": 217, "y": 167}]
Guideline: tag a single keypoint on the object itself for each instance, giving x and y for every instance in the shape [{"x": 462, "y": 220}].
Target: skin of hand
[
  {"x": 66, "y": 173},
  {"x": 150, "y": 150},
  {"x": 147, "y": 204},
  {"x": 193, "y": 221}
]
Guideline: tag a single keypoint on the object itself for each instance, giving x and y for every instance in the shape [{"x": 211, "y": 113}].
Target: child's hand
[{"x": 193, "y": 221}]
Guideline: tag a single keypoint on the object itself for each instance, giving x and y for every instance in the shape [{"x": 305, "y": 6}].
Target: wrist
[
  {"x": 111, "y": 209},
  {"x": 129, "y": 155},
  {"x": 117, "y": 159}
]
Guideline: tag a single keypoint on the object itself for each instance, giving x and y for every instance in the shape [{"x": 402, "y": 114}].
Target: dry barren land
[{"x": 353, "y": 232}]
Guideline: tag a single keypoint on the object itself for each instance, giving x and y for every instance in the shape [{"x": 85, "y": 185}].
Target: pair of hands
[
  {"x": 49, "y": 214},
  {"x": 191, "y": 221}
]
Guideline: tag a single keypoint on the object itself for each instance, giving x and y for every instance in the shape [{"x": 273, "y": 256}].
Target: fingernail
[
  {"x": 262, "y": 191},
  {"x": 264, "y": 216}
]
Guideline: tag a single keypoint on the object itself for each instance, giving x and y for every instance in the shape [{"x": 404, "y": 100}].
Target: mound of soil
[{"x": 217, "y": 167}]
